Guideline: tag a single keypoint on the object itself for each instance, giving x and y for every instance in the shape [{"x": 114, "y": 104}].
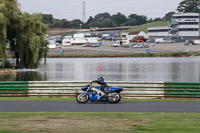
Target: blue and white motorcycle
[{"x": 96, "y": 93}]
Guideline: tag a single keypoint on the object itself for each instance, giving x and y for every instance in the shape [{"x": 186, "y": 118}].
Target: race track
[{"x": 73, "y": 106}]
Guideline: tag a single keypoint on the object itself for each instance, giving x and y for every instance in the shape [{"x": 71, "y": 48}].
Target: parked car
[
  {"x": 86, "y": 45},
  {"x": 138, "y": 45},
  {"x": 150, "y": 40},
  {"x": 170, "y": 41},
  {"x": 196, "y": 42},
  {"x": 94, "y": 45},
  {"x": 188, "y": 42},
  {"x": 110, "y": 38}
]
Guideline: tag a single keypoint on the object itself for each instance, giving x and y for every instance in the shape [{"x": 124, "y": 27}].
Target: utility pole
[{"x": 84, "y": 15}]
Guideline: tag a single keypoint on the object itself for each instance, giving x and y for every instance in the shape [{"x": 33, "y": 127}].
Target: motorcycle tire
[
  {"x": 82, "y": 99},
  {"x": 114, "y": 97}
]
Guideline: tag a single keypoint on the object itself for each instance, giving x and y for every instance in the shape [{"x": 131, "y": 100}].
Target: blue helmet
[{"x": 100, "y": 79}]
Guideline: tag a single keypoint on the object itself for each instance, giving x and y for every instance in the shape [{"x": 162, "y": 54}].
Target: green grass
[
  {"x": 99, "y": 122},
  {"x": 74, "y": 99},
  {"x": 145, "y": 26},
  {"x": 36, "y": 99}
]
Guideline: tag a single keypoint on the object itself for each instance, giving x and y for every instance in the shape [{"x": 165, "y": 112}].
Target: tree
[
  {"x": 95, "y": 24},
  {"x": 66, "y": 23},
  {"x": 57, "y": 24},
  {"x": 90, "y": 20},
  {"x": 76, "y": 23},
  {"x": 119, "y": 18},
  {"x": 142, "y": 20},
  {"x": 2, "y": 33},
  {"x": 47, "y": 18},
  {"x": 168, "y": 16},
  {"x": 25, "y": 34},
  {"x": 107, "y": 23},
  {"x": 189, "y": 6},
  {"x": 131, "y": 22},
  {"x": 157, "y": 19},
  {"x": 102, "y": 16},
  {"x": 31, "y": 41},
  {"x": 135, "y": 19}
]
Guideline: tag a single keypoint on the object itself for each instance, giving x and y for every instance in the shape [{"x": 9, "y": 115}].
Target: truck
[
  {"x": 78, "y": 41},
  {"x": 92, "y": 40}
]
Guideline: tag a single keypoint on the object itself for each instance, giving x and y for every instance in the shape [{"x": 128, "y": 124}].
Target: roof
[{"x": 134, "y": 32}]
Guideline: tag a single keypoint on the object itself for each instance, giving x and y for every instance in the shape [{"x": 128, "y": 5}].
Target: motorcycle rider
[{"x": 103, "y": 84}]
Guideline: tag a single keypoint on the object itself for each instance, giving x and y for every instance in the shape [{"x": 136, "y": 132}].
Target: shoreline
[
  {"x": 118, "y": 55},
  {"x": 8, "y": 71}
]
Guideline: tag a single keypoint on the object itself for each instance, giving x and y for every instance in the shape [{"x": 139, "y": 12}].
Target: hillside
[{"x": 145, "y": 26}]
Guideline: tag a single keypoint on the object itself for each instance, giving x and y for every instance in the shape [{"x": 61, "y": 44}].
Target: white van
[
  {"x": 123, "y": 43},
  {"x": 66, "y": 42},
  {"x": 160, "y": 40}
]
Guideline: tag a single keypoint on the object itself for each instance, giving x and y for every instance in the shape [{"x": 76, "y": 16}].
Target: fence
[{"x": 131, "y": 89}]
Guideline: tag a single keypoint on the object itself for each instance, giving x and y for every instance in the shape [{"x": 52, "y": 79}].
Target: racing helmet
[{"x": 100, "y": 79}]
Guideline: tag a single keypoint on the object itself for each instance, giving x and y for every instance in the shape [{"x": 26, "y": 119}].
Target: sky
[{"x": 73, "y": 9}]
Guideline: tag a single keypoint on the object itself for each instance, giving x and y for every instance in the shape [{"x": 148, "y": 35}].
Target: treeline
[
  {"x": 99, "y": 20},
  {"x": 119, "y": 19}
]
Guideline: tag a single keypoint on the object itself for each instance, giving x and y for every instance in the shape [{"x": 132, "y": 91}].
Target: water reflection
[
  {"x": 113, "y": 69},
  {"x": 23, "y": 76}
]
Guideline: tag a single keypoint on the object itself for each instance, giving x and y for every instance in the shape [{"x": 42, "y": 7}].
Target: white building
[
  {"x": 133, "y": 34},
  {"x": 159, "y": 32},
  {"x": 182, "y": 26}
]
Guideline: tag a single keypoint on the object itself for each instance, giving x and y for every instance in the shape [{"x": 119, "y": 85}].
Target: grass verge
[
  {"x": 75, "y": 55},
  {"x": 99, "y": 122},
  {"x": 74, "y": 99}
]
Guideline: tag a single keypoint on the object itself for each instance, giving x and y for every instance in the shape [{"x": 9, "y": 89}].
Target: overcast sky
[{"x": 73, "y": 9}]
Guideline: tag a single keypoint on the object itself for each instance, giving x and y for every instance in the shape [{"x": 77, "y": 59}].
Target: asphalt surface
[
  {"x": 106, "y": 48},
  {"x": 73, "y": 106}
]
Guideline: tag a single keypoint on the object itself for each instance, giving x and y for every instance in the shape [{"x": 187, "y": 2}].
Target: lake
[{"x": 112, "y": 69}]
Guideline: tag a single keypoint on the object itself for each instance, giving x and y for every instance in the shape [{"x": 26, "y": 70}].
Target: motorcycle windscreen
[{"x": 115, "y": 89}]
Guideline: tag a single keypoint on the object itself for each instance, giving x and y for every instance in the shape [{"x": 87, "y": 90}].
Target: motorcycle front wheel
[
  {"x": 82, "y": 98},
  {"x": 114, "y": 97}
]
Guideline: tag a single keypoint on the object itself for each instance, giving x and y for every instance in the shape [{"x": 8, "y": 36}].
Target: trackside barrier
[
  {"x": 136, "y": 89},
  {"x": 182, "y": 90},
  {"x": 14, "y": 89},
  {"x": 63, "y": 88}
]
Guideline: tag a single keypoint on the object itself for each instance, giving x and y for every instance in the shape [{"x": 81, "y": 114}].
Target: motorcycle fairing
[
  {"x": 114, "y": 89},
  {"x": 96, "y": 97}
]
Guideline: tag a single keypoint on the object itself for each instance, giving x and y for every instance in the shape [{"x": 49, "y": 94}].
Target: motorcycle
[{"x": 96, "y": 93}]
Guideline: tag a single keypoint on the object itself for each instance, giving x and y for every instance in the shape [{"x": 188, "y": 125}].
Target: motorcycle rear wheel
[
  {"x": 114, "y": 97},
  {"x": 82, "y": 98}
]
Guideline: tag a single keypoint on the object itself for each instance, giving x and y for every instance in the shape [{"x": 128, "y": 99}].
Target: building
[
  {"x": 133, "y": 34},
  {"x": 159, "y": 32},
  {"x": 182, "y": 26}
]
